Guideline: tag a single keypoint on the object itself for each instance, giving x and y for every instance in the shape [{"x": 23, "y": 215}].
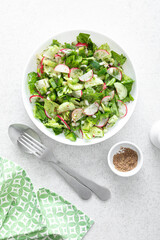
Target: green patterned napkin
[{"x": 23, "y": 217}]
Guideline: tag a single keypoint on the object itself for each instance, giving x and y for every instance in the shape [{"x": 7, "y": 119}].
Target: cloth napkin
[{"x": 25, "y": 215}]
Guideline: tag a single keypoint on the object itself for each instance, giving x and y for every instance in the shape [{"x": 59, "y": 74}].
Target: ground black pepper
[{"x": 125, "y": 160}]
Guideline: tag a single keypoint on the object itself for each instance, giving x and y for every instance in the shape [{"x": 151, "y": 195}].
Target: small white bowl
[{"x": 116, "y": 149}]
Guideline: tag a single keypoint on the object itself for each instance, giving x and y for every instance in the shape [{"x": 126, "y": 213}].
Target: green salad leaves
[{"x": 80, "y": 89}]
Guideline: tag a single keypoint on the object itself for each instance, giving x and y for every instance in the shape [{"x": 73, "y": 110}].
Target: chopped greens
[{"x": 79, "y": 87}]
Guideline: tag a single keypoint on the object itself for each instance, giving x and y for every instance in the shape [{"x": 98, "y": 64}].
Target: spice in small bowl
[{"x": 125, "y": 159}]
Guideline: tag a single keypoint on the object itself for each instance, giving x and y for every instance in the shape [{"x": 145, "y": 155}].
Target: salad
[{"x": 80, "y": 89}]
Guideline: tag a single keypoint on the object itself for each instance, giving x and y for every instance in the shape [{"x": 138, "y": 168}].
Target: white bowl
[
  {"x": 70, "y": 36},
  {"x": 116, "y": 149}
]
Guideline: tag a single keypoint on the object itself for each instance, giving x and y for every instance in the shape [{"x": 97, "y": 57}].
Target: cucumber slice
[
  {"x": 101, "y": 54},
  {"x": 121, "y": 90},
  {"x": 66, "y": 106},
  {"x": 95, "y": 81},
  {"x": 76, "y": 87},
  {"x": 75, "y": 73},
  {"x": 97, "y": 132}
]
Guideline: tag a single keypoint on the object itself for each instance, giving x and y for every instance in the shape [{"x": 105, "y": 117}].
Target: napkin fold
[{"x": 25, "y": 215}]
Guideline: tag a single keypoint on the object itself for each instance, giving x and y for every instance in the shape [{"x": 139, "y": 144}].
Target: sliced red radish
[
  {"x": 92, "y": 109},
  {"x": 64, "y": 51},
  {"x": 39, "y": 70},
  {"x": 38, "y": 75},
  {"x": 47, "y": 114},
  {"x": 112, "y": 93},
  {"x": 75, "y": 73},
  {"x": 33, "y": 98},
  {"x": 57, "y": 58},
  {"x": 101, "y": 54},
  {"x": 87, "y": 76},
  {"x": 77, "y": 114},
  {"x": 79, "y": 133},
  {"x": 122, "y": 108},
  {"x": 105, "y": 100},
  {"x": 104, "y": 86},
  {"x": 102, "y": 122},
  {"x": 77, "y": 94},
  {"x": 64, "y": 122},
  {"x": 62, "y": 68},
  {"x": 41, "y": 65},
  {"x": 81, "y": 44},
  {"x": 115, "y": 72}
]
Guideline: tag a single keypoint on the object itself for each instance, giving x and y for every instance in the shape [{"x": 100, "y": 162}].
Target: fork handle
[
  {"x": 101, "y": 192},
  {"x": 79, "y": 188}
]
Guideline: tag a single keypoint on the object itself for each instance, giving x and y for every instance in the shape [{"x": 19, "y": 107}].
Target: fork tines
[{"x": 32, "y": 144}]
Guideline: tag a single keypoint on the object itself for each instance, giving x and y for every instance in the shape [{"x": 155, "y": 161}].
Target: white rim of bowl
[
  {"x": 128, "y": 173},
  {"x": 24, "y": 93}
]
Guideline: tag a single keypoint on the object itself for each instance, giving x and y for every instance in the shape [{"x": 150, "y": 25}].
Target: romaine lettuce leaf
[
  {"x": 120, "y": 59},
  {"x": 39, "y": 112},
  {"x": 32, "y": 79},
  {"x": 106, "y": 47},
  {"x": 55, "y": 42},
  {"x": 83, "y": 38},
  {"x": 53, "y": 124}
]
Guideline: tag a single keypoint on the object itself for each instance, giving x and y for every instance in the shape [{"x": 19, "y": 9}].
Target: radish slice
[
  {"x": 104, "y": 86},
  {"x": 77, "y": 114},
  {"x": 92, "y": 109},
  {"x": 87, "y": 76},
  {"x": 105, "y": 100},
  {"x": 77, "y": 94},
  {"x": 39, "y": 70},
  {"x": 64, "y": 51},
  {"x": 33, "y": 98},
  {"x": 41, "y": 65},
  {"x": 75, "y": 73},
  {"x": 122, "y": 107},
  {"x": 64, "y": 122},
  {"x": 62, "y": 68},
  {"x": 79, "y": 133},
  {"x": 101, "y": 54},
  {"x": 102, "y": 122},
  {"x": 38, "y": 75},
  {"x": 112, "y": 93},
  {"x": 57, "y": 58},
  {"x": 81, "y": 44},
  {"x": 115, "y": 72},
  {"x": 47, "y": 114}
]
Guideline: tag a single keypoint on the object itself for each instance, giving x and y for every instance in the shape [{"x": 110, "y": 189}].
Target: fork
[{"x": 80, "y": 184}]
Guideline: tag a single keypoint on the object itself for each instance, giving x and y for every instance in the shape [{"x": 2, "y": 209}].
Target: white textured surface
[{"x": 133, "y": 212}]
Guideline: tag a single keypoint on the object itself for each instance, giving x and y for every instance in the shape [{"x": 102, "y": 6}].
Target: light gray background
[{"x": 133, "y": 212}]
